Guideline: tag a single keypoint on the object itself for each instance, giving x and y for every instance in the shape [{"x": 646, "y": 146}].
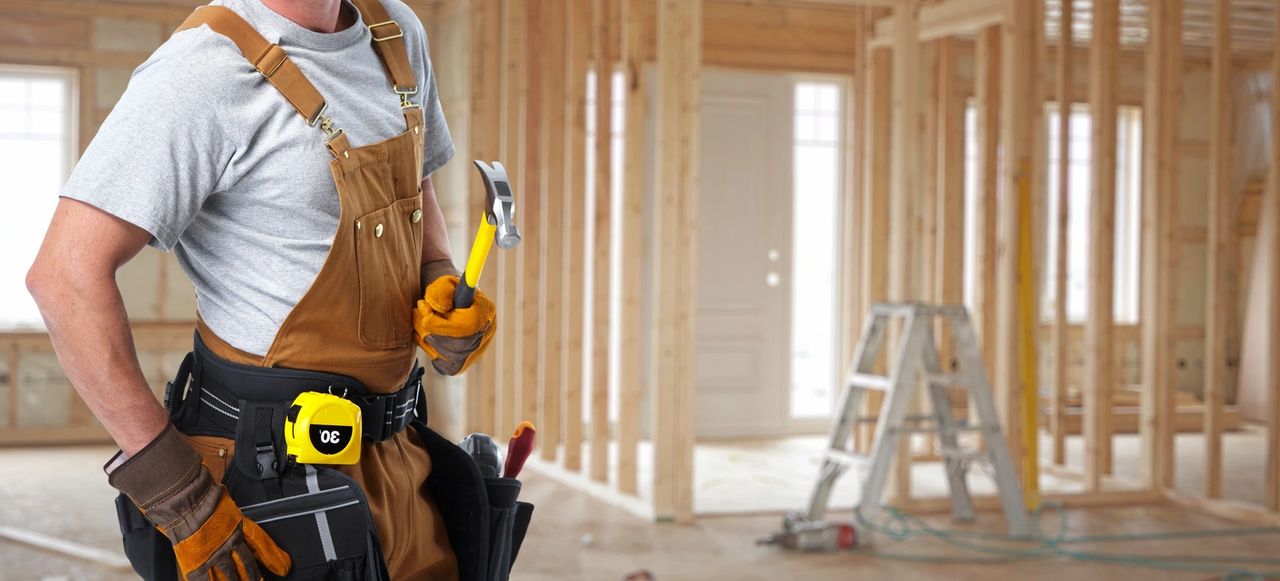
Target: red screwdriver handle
[{"x": 519, "y": 448}]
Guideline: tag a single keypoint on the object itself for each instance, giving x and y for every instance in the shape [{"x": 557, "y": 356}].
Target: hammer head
[{"x": 500, "y": 206}]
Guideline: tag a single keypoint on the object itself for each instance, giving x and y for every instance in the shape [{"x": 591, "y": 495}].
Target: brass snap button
[
  {"x": 417, "y": 216},
  {"x": 377, "y": 231},
  {"x": 358, "y": 224}
]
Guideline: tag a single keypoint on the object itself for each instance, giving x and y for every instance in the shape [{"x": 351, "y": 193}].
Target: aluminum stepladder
[{"x": 917, "y": 358}]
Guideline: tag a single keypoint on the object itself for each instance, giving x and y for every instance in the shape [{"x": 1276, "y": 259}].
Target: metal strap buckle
[
  {"x": 405, "y": 103},
  {"x": 326, "y": 123},
  {"x": 399, "y": 33}
]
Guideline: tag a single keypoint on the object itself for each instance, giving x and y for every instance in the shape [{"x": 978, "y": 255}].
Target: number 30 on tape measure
[{"x": 323, "y": 429}]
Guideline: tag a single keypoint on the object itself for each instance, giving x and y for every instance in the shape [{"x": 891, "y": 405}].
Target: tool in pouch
[
  {"x": 322, "y": 428},
  {"x": 498, "y": 225}
]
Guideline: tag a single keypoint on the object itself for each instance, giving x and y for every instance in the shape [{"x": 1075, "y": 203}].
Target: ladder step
[
  {"x": 951, "y": 379},
  {"x": 967, "y": 454},
  {"x": 869, "y": 381},
  {"x": 848, "y": 458}
]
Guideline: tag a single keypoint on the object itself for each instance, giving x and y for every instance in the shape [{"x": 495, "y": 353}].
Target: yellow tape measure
[{"x": 321, "y": 428}]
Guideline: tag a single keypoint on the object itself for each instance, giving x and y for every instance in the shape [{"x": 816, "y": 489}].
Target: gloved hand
[
  {"x": 211, "y": 538},
  {"x": 453, "y": 338}
]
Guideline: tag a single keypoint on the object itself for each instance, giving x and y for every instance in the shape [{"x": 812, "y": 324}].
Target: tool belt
[{"x": 317, "y": 514}]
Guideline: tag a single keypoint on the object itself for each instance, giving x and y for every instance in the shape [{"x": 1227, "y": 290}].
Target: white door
[{"x": 744, "y": 254}]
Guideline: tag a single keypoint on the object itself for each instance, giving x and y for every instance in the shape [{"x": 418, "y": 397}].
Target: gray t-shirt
[{"x": 207, "y": 156}]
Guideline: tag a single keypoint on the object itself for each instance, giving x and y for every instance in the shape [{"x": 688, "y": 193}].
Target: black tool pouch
[
  {"x": 485, "y": 522},
  {"x": 318, "y": 515}
]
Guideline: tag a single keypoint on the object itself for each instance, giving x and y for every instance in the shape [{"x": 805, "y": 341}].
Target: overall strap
[
  {"x": 269, "y": 59},
  {"x": 388, "y": 42}
]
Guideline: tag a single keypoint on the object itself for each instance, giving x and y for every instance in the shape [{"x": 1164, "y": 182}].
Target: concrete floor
[{"x": 61, "y": 492}]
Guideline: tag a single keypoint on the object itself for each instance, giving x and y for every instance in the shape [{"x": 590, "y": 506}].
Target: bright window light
[
  {"x": 818, "y": 148},
  {"x": 37, "y": 150}
]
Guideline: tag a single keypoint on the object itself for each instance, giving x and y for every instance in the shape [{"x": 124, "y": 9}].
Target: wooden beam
[
  {"x": 531, "y": 356},
  {"x": 515, "y": 92},
  {"x": 605, "y": 56},
  {"x": 852, "y": 308},
  {"x": 633, "y": 330},
  {"x": 1222, "y": 250},
  {"x": 951, "y": 174},
  {"x": 1162, "y": 111},
  {"x": 579, "y": 30},
  {"x": 1099, "y": 325},
  {"x": 679, "y": 61},
  {"x": 1018, "y": 114},
  {"x": 904, "y": 248},
  {"x": 1058, "y": 399},
  {"x": 947, "y": 18},
  {"x": 988, "y": 59},
  {"x": 1273, "y": 368},
  {"x": 555, "y": 80},
  {"x": 875, "y": 211},
  {"x": 485, "y": 138}
]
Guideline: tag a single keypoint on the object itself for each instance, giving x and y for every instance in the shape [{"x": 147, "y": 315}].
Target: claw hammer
[{"x": 498, "y": 225}]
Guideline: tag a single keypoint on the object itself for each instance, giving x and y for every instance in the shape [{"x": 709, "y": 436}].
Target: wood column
[
  {"x": 1018, "y": 133},
  {"x": 1222, "y": 251},
  {"x": 604, "y": 57},
  {"x": 633, "y": 329},
  {"x": 485, "y": 140},
  {"x": 988, "y": 64},
  {"x": 1058, "y": 401},
  {"x": 679, "y": 61},
  {"x": 875, "y": 210},
  {"x": 555, "y": 80},
  {"x": 1162, "y": 110},
  {"x": 510, "y": 330},
  {"x": 1099, "y": 342},
  {"x": 534, "y": 189},
  {"x": 905, "y": 265},
  {"x": 580, "y": 31}
]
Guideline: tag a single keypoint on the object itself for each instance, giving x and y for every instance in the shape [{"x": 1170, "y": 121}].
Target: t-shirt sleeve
[
  {"x": 159, "y": 154},
  {"x": 437, "y": 143}
]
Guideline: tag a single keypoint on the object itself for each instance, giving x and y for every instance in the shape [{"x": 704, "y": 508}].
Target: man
[{"x": 283, "y": 149}]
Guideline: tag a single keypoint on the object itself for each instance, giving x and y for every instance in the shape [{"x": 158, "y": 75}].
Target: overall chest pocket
[{"x": 388, "y": 257}]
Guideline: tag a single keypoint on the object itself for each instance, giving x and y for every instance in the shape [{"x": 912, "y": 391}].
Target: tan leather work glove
[
  {"x": 453, "y": 338},
  {"x": 211, "y": 538}
]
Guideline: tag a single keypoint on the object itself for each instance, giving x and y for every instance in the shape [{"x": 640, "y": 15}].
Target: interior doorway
[{"x": 771, "y": 185}]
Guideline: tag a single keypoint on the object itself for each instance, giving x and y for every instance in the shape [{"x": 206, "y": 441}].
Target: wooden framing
[
  {"x": 515, "y": 93},
  {"x": 632, "y": 325},
  {"x": 1162, "y": 109},
  {"x": 950, "y": 182},
  {"x": 907, "y": 246},
  {"x": 579, "y": 45},
  {"x": 906, "y": 266},
  {"x": 1057, "y": 401},
  {"x": 988, "y": 58},
  {"x": 604, "y": 57},
  {"x": 485, "y": 140},
  {"x": 554, "y": 77},
  {"x": 1018, "y": 130},
  {"x": 1099, "y": 323},
  {"x": 534, "y": 191},
  {"x": 852, "y": 302},
  {"x": 679, "y": 59},
  {"x": 875, "y": 210},
  {"x": 1222, "y": 249}
]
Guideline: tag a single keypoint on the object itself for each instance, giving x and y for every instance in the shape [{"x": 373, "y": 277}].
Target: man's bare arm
[
  {"x": 73, "y": 282},
  {"x": 435, "y": 236}
]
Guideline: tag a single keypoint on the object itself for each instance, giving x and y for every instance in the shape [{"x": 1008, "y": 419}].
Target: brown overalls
[{"x": 355, "y": 319}]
